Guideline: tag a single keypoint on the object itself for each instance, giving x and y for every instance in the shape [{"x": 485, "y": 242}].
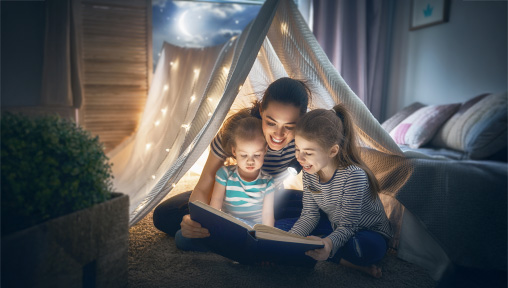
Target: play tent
[{"x": 193, "y": 90}]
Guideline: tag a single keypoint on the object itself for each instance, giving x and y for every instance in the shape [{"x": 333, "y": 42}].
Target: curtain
[
  {"x": 356, "y": 36},
  {"x": 61, "y": 78}
]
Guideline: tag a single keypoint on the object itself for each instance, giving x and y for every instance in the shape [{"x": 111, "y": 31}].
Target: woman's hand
[
  {"x": 322, "y": 253},
  {"x": 192, "y": 229}
]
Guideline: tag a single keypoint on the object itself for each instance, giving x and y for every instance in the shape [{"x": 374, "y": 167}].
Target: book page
[
  {"x": 287, "y": 238},
  {"x": 276, "y": 231},
  {"x": 222, "y": 214}
]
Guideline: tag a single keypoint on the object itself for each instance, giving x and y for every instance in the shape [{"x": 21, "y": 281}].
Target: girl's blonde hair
[
  {"x": 330, "y": 127},
  {"x": 241, "y": 125}
]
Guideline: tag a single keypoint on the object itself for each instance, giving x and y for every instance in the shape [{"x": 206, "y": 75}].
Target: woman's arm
[
  {"x": 267, "y": 216},
  {"x": 204, "y": 187},
  {"x": 219, "y": 191},
  {"x": 202, "y": 192}
]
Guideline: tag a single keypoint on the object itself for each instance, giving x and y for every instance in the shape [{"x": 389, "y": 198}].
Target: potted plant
[{"x": 62, "y": 224}]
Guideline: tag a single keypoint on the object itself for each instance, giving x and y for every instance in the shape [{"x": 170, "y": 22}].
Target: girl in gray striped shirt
[{"x": 336, "y": 180}]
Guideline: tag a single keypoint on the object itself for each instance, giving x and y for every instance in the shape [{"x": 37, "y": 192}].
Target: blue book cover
[{"x": 236, "y": 240}]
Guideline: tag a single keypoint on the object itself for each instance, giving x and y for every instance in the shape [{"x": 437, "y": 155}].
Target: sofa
[{"x": 454, "y": 204}]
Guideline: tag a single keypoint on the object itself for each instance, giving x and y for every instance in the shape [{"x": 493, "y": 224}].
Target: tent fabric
[{"x": 193, "y": 90}]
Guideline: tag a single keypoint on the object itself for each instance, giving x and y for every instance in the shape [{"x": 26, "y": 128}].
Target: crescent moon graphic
[{"x": 181, "y": 24}]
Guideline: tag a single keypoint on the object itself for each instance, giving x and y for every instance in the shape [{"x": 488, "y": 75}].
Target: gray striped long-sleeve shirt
[{"x": 347, "y": 201}]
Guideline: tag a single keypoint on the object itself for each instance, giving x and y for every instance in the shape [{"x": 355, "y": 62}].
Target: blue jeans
[{"x": 364, "y": 248}]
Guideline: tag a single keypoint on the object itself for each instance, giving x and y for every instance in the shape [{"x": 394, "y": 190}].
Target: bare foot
[{"x": 372, "y": 270}]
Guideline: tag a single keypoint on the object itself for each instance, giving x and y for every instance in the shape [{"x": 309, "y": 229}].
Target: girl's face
[
  {"x": 249, "y": 156},
  {"x": 279, "y": 121},
  {"x": 313, "y": 157}
]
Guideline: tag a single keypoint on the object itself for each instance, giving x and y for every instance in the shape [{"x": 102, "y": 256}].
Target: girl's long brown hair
[{"x": 330, "y": 127}]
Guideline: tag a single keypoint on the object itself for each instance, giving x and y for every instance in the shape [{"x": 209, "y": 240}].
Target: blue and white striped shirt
[
  {"x": 244, "y": 199},
  {"x": 275, "y": 162},
  {"x": 348, "y": 202}
]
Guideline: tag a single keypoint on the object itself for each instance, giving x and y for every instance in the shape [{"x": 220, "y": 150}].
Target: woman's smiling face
[{"x": 279, "y": 121}]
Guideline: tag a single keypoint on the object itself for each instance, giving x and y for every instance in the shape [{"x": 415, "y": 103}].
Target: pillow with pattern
[{"x": 419, "y": 128}]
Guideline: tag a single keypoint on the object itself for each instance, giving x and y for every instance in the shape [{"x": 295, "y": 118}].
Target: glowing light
[
  {"x": 157, "y": 123},
  {"x": 186, "y": 126},
  {"x": 236, "y": 21},
  {"x": 226, "y": 70},
  {"x": 171, "y": 63},
  {"x": 164, "y": 111},
  {"x": 192, "y": 98},
  {"x": 240, "y": 88},
  {"x": 209, "y": 114},
  {"x": 167, "y": 149},
  {"x": 210, "y": 99},
  {"x": 284, "y": 28},
  {"x": 153, "y": 176},
  {"x": 196, "y": 71},
  {"x": 166, "y": 87},
  {"x": 148, "y": 146},
  {"x": 174, "y": 185}
]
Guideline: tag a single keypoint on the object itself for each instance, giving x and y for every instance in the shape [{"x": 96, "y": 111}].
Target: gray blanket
[{"x": 462, "y": 203}]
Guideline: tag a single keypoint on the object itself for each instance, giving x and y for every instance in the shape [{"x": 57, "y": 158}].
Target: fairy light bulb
[
  {"x": 192, "y": 98},
  {"x": 284, "y": 28},
  {"x": 157, "y": 123},
  {"x": 148, "y": 146},
  {"x": 164, "y": 110},
  {"x": 166, "y": 87},
  {"x": 153, "y": 177},
  {"x": 186, "y": 126},
  {"x": 173, "y": 185}
]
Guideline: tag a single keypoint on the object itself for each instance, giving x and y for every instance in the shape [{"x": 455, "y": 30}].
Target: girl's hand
[
  {"x": 192, "y": 229},
  {"x": 323, "y": 253}
]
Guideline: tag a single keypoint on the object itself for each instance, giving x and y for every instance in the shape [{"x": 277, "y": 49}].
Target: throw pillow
[
  {"x": 482, "y": 130},
  {"x": 393, "y": 121},
  {"x": 443, "y": 135},
  {"x": 419, "y": 128}
]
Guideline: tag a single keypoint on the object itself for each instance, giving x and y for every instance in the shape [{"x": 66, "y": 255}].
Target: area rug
[{"x": 154, "y": 261}]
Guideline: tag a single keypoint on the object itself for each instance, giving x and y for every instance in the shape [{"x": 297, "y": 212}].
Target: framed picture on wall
[{"x": 426, "y": 13}]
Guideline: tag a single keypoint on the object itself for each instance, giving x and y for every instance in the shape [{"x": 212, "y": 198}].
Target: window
[{"x": 199, "y": 23}]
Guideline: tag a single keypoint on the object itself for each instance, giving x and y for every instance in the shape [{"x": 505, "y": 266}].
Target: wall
[
  {"x": 23, "y": 24},
  {"x": 450, "y": 62}
]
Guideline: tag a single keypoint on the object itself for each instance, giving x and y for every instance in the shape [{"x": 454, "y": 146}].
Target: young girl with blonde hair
[{"x": 336, "y": 180}]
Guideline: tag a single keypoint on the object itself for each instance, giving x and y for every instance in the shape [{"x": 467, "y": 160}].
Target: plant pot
[{"x": 87, "y": 248}]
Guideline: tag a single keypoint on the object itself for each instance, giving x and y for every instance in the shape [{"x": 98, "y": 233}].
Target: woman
[{"x": 283, "y": 103}]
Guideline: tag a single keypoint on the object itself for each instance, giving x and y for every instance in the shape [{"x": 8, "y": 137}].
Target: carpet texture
[{"x": 154, "y": 261}]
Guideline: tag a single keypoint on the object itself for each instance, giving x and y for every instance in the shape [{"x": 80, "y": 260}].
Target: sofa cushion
[
  {"x": 419, "y": 128},
  {"x": 393, "y": 121}
]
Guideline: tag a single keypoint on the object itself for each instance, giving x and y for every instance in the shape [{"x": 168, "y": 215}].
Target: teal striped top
[{"x": 244, "y": 199}]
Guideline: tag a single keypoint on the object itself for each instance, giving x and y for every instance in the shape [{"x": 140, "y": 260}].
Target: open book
[{"x": 233, "y": 238}]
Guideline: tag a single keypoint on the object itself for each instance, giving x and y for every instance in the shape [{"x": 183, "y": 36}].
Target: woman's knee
[{"x": 167, "y": 216}]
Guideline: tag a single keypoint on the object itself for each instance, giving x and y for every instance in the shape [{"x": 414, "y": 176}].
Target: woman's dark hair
[
  {"x": 330, "y": 127},
  {"x": 287, "y": 91}
]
